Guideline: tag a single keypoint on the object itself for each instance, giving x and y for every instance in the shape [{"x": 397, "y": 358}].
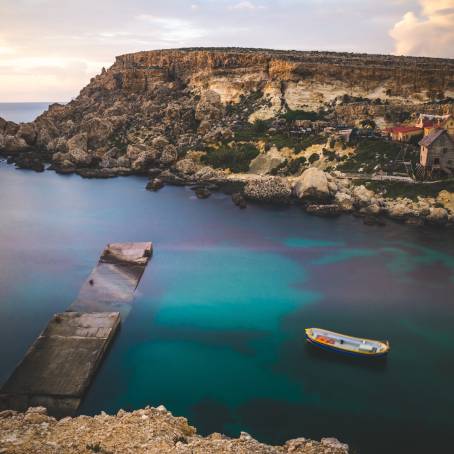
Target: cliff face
[
  {"x": 150, "y": 108},
  {"x": 147, "y": 431}
]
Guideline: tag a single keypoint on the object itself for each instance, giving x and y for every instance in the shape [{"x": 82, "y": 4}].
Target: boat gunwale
[{"x": 312, "y": 339}]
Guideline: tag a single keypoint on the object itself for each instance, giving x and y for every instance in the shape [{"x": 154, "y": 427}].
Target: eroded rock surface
[{"x": 147, "y": 431}]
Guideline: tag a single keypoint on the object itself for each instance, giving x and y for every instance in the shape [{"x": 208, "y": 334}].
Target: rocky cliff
[
  {"x": 147, "y": 431},
  {"x": 150, "y": 108}
]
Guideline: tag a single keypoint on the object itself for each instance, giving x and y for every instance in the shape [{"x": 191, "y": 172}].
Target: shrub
[
  {"x": 260, "y": 126},
  {"x": 237, "y": 158},
  {"x": 292, "y": 115},
  {"x": 313, "y": 158},
  {"x": 296, "y": 164}
]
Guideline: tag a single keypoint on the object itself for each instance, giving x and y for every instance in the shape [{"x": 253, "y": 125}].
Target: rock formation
[
  {"x": 150, "y": 108},
  {"x": 147, "y": 431}
]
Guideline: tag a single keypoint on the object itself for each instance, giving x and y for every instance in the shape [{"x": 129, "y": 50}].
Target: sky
[{"x": 49, "y": 49}]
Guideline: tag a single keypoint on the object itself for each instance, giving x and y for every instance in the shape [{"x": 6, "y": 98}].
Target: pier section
[{"x": 60, "y": 365}]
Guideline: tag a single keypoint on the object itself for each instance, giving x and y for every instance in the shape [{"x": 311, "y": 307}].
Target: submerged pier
[{"x": 59, "y": 367}]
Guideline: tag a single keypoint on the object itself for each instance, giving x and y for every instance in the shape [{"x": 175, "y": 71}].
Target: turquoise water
[
  {"x": 22, "y": 112},
  {"x": 216, "y": 333}
]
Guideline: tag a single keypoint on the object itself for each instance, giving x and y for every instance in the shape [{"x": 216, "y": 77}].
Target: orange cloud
[{"x": 429, "y": 33}]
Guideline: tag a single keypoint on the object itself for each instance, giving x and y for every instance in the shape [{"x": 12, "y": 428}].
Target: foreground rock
[
  {"x": 147, "y": 431},
  {"x": 268, "y": 189},
  {"x": 312, "y": 185}
]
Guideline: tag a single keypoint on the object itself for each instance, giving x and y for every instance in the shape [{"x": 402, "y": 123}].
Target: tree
[{"x": 368, "y": 123}]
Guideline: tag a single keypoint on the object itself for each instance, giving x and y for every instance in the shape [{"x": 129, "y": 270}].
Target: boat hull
[{"x": 341, "y": 351}]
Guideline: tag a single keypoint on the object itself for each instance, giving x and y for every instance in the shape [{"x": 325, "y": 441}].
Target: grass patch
[
  {"x": 237, "y": 158},
  {"x": 369, "y": 153},
  {"x": 396, "y": 189},
  {"x": 292, "y": 115}
]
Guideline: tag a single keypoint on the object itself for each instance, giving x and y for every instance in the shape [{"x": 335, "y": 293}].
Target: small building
[
  {"x": 448, "y": 124},
  {"x": 437, "y": 151},
  {"x": 404, "y": 133}
]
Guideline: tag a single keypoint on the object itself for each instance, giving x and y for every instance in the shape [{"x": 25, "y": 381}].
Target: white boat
[{"x": 342, "y": 343}]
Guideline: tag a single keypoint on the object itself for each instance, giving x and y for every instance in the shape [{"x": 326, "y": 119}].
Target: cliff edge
[{"x": 147, "y": 431}]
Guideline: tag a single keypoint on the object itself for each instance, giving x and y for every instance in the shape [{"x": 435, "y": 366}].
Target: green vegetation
[
  {"x": 296, "y": 165},
  {"x": 411, "y": 190},
  {"x": 292, "y": 115},
  {"x": 237, "y": 157},
  {"x": 369, "y": 154},
  {"x": 314, "y": 157}
]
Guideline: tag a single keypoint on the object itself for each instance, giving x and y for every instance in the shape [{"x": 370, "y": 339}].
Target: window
[{"x": 436, "y": 161}]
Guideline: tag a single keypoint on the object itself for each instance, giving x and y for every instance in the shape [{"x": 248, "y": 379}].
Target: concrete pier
[
  {"x": 60, "y": 365},
  {"x": 111, "y": 285}
]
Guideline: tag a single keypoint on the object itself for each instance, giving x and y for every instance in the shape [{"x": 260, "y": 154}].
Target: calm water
[
  {"x": 22, "y": 112},
  {"x": 216, "y": 332}
]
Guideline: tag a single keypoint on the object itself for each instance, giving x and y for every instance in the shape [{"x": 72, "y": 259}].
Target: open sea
[
  {"x": 216, "y": 333},
  {"x": 22, "y": 112}
]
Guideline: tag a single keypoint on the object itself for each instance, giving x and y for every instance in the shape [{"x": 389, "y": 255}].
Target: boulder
[
  {"x": 400, "y": 211},
  {"x": 344, "y": 201},
  {"x": 312, "y": 185},
  {"x": 98, "y": 131},
  {"x": 27, "y": 132},
  {"x": 186, "y": 167},
  {"x": 363, "y": 196},
  {"x": 446, "y": 199},
  {"x": 134, "y": 150},
  {"x": 155, "y": 184},
  {"x": 209, "y": 106},
  {"x": 169, "y": 155},
  {"x": 10, "y": 128},
  {"x": 77, "y": 150},
  {"x": 144, "y": 160},
  {"x": 13, "y": 144},
  {"x": 329, "y": 210},
  {"x": 264, "y": 163},
  {"x": 268, "y": 189},
  {"x": 202, "y": 193},
  {"x": 214, "y": 135},
  {"x": 438, "y": 216},
  {"x": 239, "y": 200},
  {"x": 207, "y": 174}
]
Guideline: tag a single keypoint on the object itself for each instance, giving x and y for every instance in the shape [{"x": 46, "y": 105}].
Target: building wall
[{"x": 440, "y": 153}]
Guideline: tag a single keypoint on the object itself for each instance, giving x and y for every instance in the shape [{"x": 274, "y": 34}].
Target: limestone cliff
[{"x": 150, "y": 108}]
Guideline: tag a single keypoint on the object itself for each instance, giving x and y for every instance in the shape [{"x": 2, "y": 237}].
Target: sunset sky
[{"x": 49, "y": 49}]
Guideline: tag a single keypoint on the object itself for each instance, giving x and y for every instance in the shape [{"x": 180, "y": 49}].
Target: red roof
[{"x": 404, "y": 129}]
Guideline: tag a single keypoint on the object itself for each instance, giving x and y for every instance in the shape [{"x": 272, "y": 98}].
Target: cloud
[
  {"x": 246, "y": 6},
  {"x": 173, "y": 30},
  {"x": 429, "y": 32}
]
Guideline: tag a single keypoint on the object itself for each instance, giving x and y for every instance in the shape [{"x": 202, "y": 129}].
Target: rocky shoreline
[
  {"x": 147, "y": 431},
  {"x": 251, "y": 122}
]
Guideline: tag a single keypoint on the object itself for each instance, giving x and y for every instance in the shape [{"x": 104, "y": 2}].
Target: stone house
[{"x": 437, "y": 152}]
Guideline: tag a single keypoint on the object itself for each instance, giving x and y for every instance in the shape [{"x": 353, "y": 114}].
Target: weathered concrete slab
[
  {"x": 59, "y": 366},
  {"x": 111, "y": 285}
]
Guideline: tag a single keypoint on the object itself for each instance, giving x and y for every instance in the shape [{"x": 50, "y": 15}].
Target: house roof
[
  {"x": 432, "y": 137},
  {"x": 428, "y": 123},
  {"x": 404, "y": 129}
]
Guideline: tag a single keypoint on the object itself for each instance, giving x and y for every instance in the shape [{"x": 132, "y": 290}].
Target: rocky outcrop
[
  {"x": 165, "y": 103},
  {"x": 312, "y": 185},
  {"x": 268, "y": 189},
  {"x": 264, "y": 163},
  {"x": 147, "y": 431}
]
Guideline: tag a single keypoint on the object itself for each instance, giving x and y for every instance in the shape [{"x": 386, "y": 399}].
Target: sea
[
  {"x": 216, "y": 333},
  {"x": 22, "y": 112}
]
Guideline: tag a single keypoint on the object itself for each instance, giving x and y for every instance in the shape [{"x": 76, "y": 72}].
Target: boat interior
[{"x": 347, "y": 342}]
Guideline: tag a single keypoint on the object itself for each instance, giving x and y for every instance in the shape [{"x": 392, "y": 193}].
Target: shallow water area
[{"x": 216, "y": 333}]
